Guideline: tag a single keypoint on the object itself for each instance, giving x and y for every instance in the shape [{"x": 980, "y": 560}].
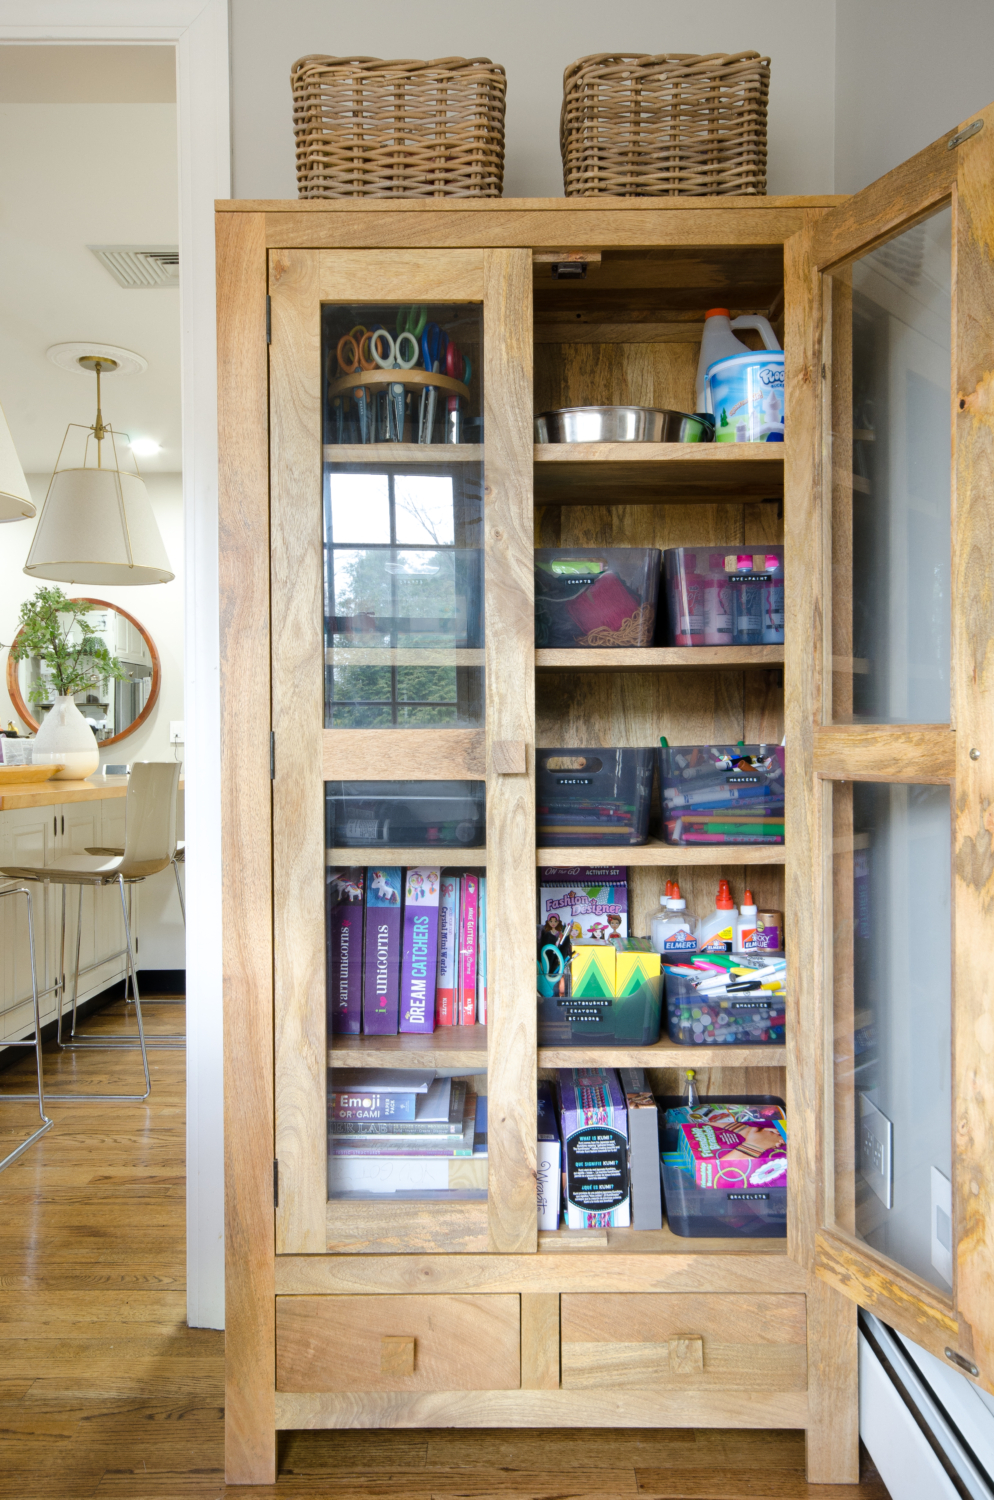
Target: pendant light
[
  {"x": 15, "y": 500},
  {"x": 97, "y": 524}
]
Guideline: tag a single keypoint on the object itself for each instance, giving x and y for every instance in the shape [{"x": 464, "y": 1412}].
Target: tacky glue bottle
[
  {"x": 673, "y": 930},
  {"x": 745, "y": 927},
  {"x": 716, "y": 933}
]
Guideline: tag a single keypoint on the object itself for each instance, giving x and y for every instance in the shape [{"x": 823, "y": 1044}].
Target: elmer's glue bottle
[
  {"x": 745, "y": 927},
  {"x": 673, "y": 930},
  {"x": 716, "y": 933}
]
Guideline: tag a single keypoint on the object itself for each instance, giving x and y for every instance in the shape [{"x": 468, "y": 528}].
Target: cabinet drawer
[
  {"x": 383, "y": 1343},
  {"x": 659, "y": 1340}
]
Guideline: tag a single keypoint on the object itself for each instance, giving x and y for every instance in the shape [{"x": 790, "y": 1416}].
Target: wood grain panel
[
  {"x": 973, "y": 715},
  {"x": 924, "y": 753},
  {"x": 460, "y": 1343},
  {"x": 610, "y": 1340},
  {"x": 379, "y": 1227},
  {"x": 641, "y": 473},
  {"x": 658, "y": 658},
  {"x": 832, "y": 1446},
  {"x": 401, "y": 276},
  {"x": 912, "y": 1306},
  {"x": 510, "y": 626},
  {"x": 246, "y": 832},
  {"x": 298, "y": 717},
  {"x": 448, "y": 1047},
  {"x": 612, "y": 1408},
  {"x": 368, "y": 854},
  {"x": 540, "y": 1341},
  {"x": 413, "y": 754},
  {"x": 654, "y": 852}
]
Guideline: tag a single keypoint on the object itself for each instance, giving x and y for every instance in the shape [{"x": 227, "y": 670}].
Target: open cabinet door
[{"x": 891, "y": 479}]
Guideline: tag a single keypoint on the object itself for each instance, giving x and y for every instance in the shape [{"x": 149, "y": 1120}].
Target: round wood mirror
[{"x": 114, "y": 708}]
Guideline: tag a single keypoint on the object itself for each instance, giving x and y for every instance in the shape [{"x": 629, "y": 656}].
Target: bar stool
[
  {"x": 35, "y": 1042},
  {"x": 149, "y": 842}
]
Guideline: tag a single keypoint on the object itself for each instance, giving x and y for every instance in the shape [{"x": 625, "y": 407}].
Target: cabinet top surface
[{"x": 516, "y": 205}]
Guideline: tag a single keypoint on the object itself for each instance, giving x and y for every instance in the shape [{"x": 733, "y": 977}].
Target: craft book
[
  {"x": 733, "y": 1157},
  {"x": 591, "y": 903},
  {"x": 343, "y": 907},
  {"x": 381, "y": 953},
  {"x": 548, "y": 1175},
  {"x": 444, "y": 1145},
  {"x": 419, "y": 949},
  {"x": 448, "y": 946},
  {"x": 594, "y": 1129},
  {"x": 439, "y": 1114},
  {"x": 481, "y": 956},
  {"x": 468, "y": 923}
]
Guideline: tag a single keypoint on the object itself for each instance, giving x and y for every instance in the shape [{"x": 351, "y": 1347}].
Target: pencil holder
[{"x": 722, "y": 794}]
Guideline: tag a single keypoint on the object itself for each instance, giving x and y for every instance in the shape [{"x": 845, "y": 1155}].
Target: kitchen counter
[{"x": 52, "y": 793}]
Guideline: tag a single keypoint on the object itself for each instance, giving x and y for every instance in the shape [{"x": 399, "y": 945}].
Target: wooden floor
[{"x": 105, "y": 1392}]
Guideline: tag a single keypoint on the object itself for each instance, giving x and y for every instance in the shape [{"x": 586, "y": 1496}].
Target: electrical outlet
[
  {"x": 876, "y": 1150},
  {"x": 177, "y": 732},
  {"x": 942, "y": 1225}
]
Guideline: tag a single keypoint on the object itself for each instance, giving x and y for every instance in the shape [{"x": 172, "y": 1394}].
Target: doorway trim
[{"x": 198, "y": 30}]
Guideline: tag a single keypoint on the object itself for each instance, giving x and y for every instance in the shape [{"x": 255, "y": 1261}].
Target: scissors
[
  {"x": 393, "y": 359},
  {"x": 412, "y": 320},
  {"x": 434, "y": 343},
  {"x": 350, "y": 358},
  {"x": 460, "y": 368}
]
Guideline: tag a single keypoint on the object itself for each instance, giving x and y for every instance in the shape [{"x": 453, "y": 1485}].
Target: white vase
[{"x": 66, "y": 739}]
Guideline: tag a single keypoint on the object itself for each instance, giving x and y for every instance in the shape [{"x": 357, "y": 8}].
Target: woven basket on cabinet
[
  {"x": 671, "y": 125},
  {"x": 366, "y": 128}
]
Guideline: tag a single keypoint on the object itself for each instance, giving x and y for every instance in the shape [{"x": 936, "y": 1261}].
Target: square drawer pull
[
  {"x": 686, "y": 1354},
  {"x": 396, "y": 1355}
]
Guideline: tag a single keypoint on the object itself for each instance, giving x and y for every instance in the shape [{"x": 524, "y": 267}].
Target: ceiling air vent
[{"x": 140, "y": 266}]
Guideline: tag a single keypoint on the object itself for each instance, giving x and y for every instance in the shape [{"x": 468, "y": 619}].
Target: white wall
[
  {"x": 534, "y": 42},
  {"x": 160, "y": 609},
  {"x": 905, "y": 74}
]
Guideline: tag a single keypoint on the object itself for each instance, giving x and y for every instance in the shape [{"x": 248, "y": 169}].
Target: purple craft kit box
[
  {"x": 381, "y": 968},
  {"x": 419, "y": 949},
  {"x": 343, "y": 908}
]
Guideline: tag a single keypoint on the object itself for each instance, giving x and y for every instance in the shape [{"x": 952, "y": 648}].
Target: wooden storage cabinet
[{"x": 364, "y": 1314}]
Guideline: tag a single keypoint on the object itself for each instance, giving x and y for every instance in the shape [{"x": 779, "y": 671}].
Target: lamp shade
[
  {"x": 97, "y": 526},
  {"x": 15, "y": 501}
]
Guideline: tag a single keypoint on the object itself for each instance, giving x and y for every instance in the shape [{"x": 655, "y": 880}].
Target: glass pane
[
  {"x": 890, "y": 342},
  {"x": 892, "y": 983}
]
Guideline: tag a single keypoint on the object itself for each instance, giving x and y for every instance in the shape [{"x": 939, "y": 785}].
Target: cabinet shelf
[
  {"x": 657, "y": 473},
  {"x": 448, "y": 1047},
  {"x": 407, "y": 453},
  {"x": 655, "y": 852},
  {"x": 397, "y": 656},
  {"x": 662, "y": 1055},
  {"x": 447, "y": 859},
  {"x": 658, "y": 658},
  {"x": 647, "y": 1242}
]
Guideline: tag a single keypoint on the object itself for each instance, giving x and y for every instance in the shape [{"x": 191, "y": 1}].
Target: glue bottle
[
  {"x": 745, "y": 927},
  {"x": 716, "y": 933},
  {"x": 673, "y": 930},
  {"x": 718, "y": 342}
]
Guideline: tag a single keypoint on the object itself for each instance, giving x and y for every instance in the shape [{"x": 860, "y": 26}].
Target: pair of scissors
[
  {"x": 434, "y": 344},
  {"x": 460, "y": 368},
  {"x": 412, "y": 320},
  {"x": 388, "y": 354},
  {"x": 351, "y": 357}
]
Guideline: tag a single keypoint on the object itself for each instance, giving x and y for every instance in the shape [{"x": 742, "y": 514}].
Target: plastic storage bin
[
  {"x": 601, "y": 597},
  {"x": 714, "y": 1213},
  {"x": 623, "y": 1021},
  {"x": 722, "y": 794},
  {"x": 696, "y": 1020},
  {"x": 593, "y": 796},
  {"x": 724, "y": 596},
  {"x": 405, "y": 814}
]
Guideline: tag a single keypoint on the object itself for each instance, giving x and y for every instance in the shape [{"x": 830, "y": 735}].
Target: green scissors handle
[{"x": 412, "y": 320}]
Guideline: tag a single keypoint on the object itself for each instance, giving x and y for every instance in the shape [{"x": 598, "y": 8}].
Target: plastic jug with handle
[{"x": 719, "y": 342}]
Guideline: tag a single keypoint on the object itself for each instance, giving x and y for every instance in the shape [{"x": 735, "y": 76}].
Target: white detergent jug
[{"x": 719, "y": 342}]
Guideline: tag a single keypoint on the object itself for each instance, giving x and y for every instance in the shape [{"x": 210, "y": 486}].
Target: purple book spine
[
  {"x": 420, "y": 950},
  {"x": 344, "y": 907},
  {"x": 381, "y": 953}
]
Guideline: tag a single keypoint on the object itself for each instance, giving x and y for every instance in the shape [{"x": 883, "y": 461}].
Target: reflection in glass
[
  {"x": 891, "y": 314},
  {"x": 892, "y": 980},
  {"x": 111, "y": 705}
]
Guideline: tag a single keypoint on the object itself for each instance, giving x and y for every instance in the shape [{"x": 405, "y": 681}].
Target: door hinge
[
  {"x": 276, "y": 1183},
  {"x": 269, "y": 320},
  {"x": 964, "y": 134},
  {"x": 272, "y": 755}
]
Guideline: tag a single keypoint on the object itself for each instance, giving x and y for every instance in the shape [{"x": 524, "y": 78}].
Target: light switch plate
[
  {"x": 876, "y": 1150},
  {"x": 177, "y": 732},
  {"x": 942, "y": 1225}
]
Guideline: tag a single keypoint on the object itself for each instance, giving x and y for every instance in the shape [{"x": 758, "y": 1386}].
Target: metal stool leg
[
  {"x": 35, "y": 1043},
  {"x": 114, "y": 1046},
  {"x": 179, "y": 889}
]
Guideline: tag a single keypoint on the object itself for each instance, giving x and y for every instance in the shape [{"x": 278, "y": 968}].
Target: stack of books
[
  {"x": 407, "y": 949},
  {"x": 405, "y": 1132}
]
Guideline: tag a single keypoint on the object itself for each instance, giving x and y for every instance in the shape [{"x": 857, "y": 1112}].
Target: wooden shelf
[
  {"x": 406, "y": 453},
  {"x": 655, "y": 852},
  {"x": 662, "y": 1055},
  {"x": 447, "y": 1047},
  {"x": 440, "y": 656},
  {"x": 647, "y": 1242},
  {"x": 447, "y": 859},
  {"x": 658, "y": 658},
  {"x": 657, "y": 473}
]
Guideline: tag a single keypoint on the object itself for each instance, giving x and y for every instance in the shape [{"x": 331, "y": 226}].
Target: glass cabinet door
[
  {"x": 901, "y": 753},
  {"x": 387, "y": 691}
]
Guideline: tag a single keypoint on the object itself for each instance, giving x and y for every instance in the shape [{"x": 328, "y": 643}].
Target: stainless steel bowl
[{"x": 620, "y": 424}]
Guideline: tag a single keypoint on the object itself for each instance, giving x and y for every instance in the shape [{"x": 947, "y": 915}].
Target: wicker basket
[
  {"x": 665, "y": 126},
  {"x": 371, "y": 129}
]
